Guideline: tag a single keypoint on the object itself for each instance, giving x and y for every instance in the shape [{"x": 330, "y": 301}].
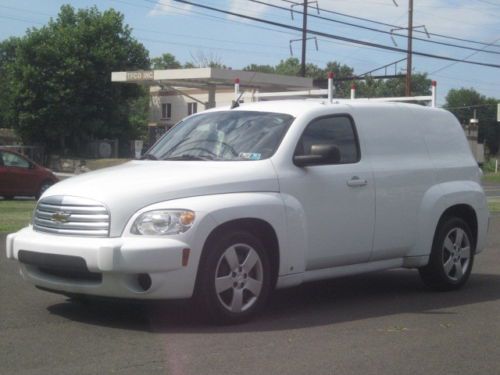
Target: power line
[
  {"x": 204, "y": 15},
  {"x": 157, "y": 32},
  {"x": 464, "y": 59},
  {"x": 377, "y": 30},
  {"x": 393, "y": 26},
  {"x": 332, "y": 36},
  {"x": 142, "y": 29},
  {"x": 21, "y": 20},
  {"x": 488, "y": 2}
]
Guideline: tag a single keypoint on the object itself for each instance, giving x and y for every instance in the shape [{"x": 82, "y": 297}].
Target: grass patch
[
  {"x": 494, "y": 206},
  {"x": 492, "y": 177},
  {"x": 15, "y": 214},
  {"x": 489, "y": 166}
]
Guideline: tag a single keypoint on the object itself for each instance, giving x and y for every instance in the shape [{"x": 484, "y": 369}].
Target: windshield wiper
[
  {"x": 148, "y": 157},
  {"x": 190, "y": 157}
]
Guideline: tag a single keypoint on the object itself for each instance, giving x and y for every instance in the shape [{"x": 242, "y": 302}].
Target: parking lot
[{"x": 381, "y": 323}]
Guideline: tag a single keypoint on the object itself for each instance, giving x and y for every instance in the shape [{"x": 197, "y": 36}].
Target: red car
[{"x": 20, "y": 176}]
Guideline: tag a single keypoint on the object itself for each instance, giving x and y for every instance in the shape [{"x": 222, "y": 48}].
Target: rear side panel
[
  {"x": 448, "y": 148},
  {"x": 457, "y": 178},
  {"x": 403, "y": 173}
]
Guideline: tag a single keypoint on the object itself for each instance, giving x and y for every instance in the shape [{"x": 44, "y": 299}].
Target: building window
[
  {"x": 192, "y": 108},
  {"x": 166, "y": 110}
]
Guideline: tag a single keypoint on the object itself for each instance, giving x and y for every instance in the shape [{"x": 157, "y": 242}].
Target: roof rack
[{"x": 258, "y": 96}]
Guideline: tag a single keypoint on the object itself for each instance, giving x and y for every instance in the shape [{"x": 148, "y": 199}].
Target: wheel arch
[
  {"x": 464, "y": 199},
  {"x": 464, "y": 212},
  {"x": 259, "y": 228}
]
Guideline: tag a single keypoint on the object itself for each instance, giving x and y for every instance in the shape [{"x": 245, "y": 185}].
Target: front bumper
[{"x": 118, "y": 262}]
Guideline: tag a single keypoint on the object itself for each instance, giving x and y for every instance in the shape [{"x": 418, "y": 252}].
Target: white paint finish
[
  {"x": 142, "y": 183},
  {"x": 352, "y": 269},
  {"x": 447, "y": 145},
  {"x": 339, "y": 226},
  {"x": 270, "y": 207},
  {"x": 403, "y": 173},
  {"x": 338, "y": 218},
  {"x": 416, "y": 162}
]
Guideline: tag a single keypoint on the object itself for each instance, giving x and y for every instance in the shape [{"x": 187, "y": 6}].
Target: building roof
[{"x": 202, "y": 77}]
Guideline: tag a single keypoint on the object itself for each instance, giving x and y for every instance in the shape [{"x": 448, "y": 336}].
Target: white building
[{"x": 177, "y": 93}]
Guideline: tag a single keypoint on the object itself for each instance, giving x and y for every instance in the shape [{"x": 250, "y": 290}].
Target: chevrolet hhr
[{"x": 232, "y": 203}]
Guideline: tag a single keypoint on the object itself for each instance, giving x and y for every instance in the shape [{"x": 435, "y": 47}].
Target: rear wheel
[
  {"x": 452, "y": 256},
  {"x": 235, "y": 278}
]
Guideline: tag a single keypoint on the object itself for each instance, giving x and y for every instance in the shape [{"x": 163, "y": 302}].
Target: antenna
[{"x": 236, "y": 103}]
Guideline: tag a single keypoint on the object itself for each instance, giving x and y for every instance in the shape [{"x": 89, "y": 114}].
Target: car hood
[{"x": 131, "y": 186}]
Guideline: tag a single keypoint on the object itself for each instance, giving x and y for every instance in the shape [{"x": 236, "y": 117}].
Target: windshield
[{"x": 224, "y": 135}]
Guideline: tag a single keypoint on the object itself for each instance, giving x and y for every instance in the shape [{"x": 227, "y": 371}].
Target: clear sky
[{"x": 186, "y": 31}]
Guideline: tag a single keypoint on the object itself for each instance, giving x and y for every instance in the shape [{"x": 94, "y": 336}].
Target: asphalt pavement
[{"x": 380, "y": 323}]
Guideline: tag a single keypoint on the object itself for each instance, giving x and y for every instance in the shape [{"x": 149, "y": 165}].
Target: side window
[
  {"x": 13, "y": 160},
  {"x": 336, "y": 131}
]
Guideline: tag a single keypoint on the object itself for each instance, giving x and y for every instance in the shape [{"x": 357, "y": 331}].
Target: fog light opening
[
  {"x": 185, "y": 257},
  {"x": 144, "y": 281}
]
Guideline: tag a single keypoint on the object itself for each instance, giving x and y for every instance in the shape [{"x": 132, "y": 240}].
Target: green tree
[
  {"x": 7, "y": 57},
  {"x": 289, "y": 67},
  {"x": 340, "y": 71},
  {"x": 259, "y": 68},
  {"x": 63, "y": 94},
  {"x": 205, "y": 60},
  {"x": 463, "y": 102},
  {"x": 165, "y": 61},
  {"x": 373, "y": 88}
]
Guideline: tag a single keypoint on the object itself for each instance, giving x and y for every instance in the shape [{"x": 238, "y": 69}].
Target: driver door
[{"x": 338, "y": 199}]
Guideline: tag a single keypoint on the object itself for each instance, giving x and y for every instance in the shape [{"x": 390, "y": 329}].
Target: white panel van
[{"x": 232, "y": 203}]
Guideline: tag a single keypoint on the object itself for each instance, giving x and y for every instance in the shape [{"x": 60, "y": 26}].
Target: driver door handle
[{"x": 355, "y": 181}]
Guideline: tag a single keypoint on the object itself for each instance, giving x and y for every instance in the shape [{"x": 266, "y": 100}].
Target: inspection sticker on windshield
[{"x": 250, "y": 155}]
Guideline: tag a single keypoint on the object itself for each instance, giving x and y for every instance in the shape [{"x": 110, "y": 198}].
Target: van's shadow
[{"x": 321, "y": 303}]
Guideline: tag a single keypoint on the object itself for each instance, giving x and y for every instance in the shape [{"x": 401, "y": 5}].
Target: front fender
[
  {"x": 213, "y": 210},
  {"x": 437, "y": 200}
]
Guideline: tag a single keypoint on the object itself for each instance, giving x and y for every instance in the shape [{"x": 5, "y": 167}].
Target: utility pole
[
  {"x": 304, "y": 40},
  {"x": 410, "y": 51}
]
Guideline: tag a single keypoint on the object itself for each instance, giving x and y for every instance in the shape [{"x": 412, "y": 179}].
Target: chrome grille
[{"x": 72, "y": 216}]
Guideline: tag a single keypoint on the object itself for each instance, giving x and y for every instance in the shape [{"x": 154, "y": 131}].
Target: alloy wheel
[{"x": 239, "y": 277}]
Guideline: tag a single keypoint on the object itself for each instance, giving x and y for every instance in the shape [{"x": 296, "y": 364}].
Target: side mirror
[{"x": 320, "y": 155}]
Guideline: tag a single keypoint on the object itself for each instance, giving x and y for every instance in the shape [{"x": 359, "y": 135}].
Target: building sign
[{"x": 140, "y": 76}]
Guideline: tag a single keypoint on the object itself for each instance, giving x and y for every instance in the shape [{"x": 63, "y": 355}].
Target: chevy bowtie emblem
[{"x": 60, "y": 217}]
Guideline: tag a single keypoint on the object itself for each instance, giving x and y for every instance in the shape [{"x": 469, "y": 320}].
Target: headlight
[{"x": 162, "y": 222}]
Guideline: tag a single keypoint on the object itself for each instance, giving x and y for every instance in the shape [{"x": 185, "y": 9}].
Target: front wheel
[
  {"x": 452, "y": 256},
  {"x": 235, "y": 278}
]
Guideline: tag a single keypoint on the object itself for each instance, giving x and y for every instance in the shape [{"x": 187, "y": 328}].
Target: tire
[
  {"x": 45, "y": 185},
  {"x": 452, "y": 256},
  {"x": 231, "y": 290}
]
